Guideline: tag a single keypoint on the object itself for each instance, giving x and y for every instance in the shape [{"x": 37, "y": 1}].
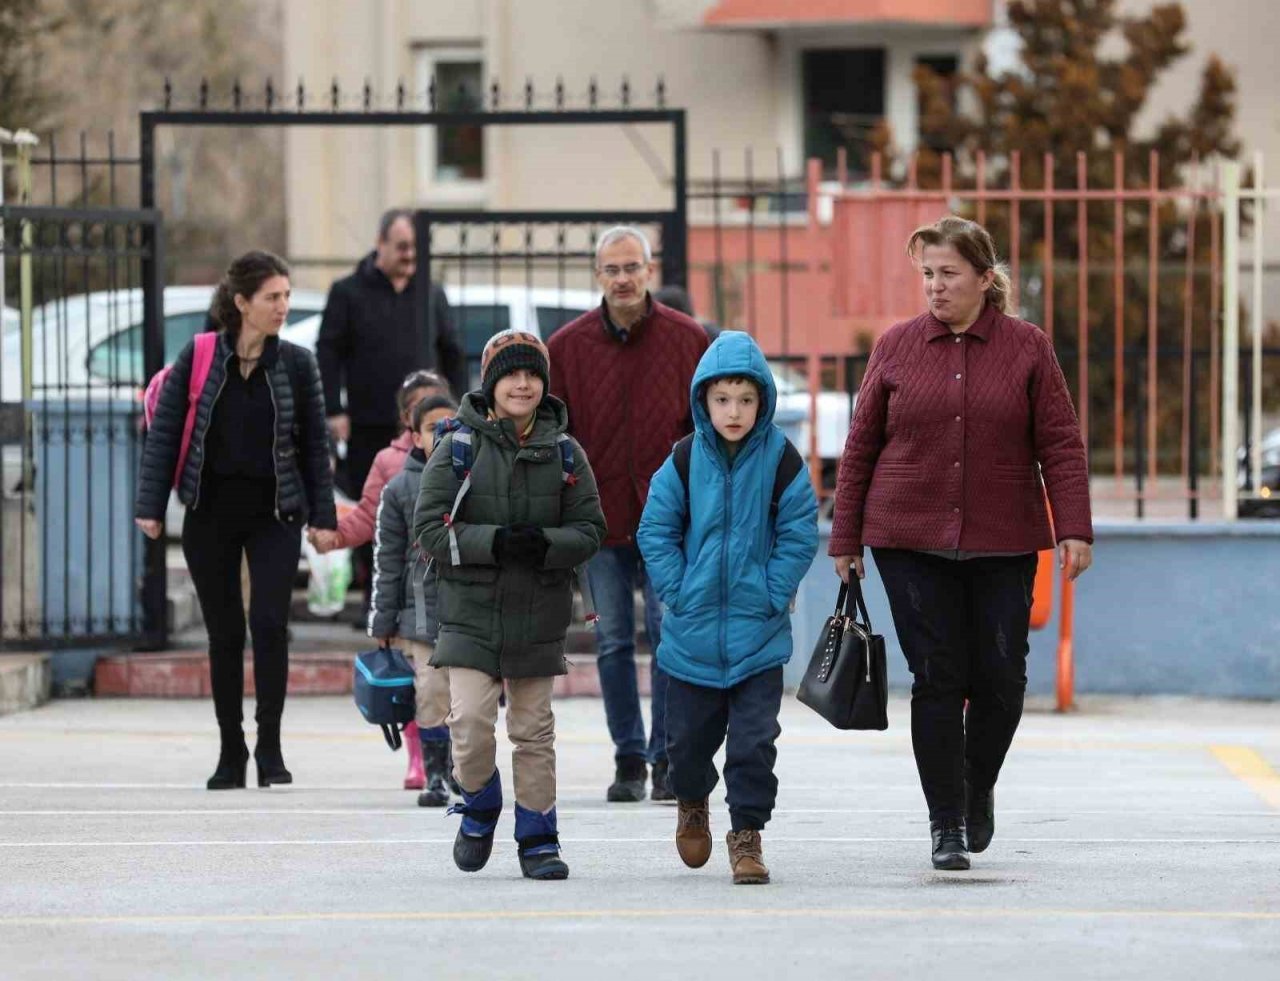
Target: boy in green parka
[{"x": 507, "y": 519}]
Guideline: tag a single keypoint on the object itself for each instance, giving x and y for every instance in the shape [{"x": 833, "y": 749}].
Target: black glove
[{"x": 522, "y": 544}]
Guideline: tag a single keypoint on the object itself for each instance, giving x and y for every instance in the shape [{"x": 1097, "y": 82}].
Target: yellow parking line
[
  {"x": 701, "y": 914},
  {"x": 1251, "y": 768}
]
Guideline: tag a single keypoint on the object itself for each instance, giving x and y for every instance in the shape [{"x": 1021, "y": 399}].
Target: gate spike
[
  {"x": 168, "y": 92},
  {"x": 334, "y": 94},
  {"x": 626, "y": 92},
  {"x": 302, "y": 98},
  {"x": 400, "y": 95},
  {"x": 271, "y": 94},
  {"x": 662, "y": 92},
  {"x": 368, "y": 94},
  {"x": 494, "y": 100},
  {"x": 559, "y": 91},
  {"x": 204, "y": 93},
  {"x": 235, "y": 94},
  {"x": 593, "y": 92},
  {"x": 528, "y": 93}
]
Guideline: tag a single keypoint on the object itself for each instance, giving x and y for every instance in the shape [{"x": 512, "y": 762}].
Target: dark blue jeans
[
  {"x": 614, "y": 573},
  {"x": 698, "y": 721}
]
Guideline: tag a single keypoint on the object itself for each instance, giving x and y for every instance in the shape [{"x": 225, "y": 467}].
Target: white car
[
  {"x": 480, "y": 311},
  {"x": 90, "y": 345}
]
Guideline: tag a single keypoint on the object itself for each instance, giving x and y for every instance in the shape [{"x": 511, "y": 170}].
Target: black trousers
[
  {"x": 698, "y": 721},
  {"x": 226, "y": 526},
  {"x": 963, "y": 626}
]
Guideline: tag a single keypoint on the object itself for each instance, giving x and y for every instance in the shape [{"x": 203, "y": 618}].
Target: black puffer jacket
[{"x": 304, "y": 479}]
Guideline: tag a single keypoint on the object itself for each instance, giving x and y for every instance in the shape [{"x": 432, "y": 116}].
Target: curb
[{"x": 185, "y": 674}]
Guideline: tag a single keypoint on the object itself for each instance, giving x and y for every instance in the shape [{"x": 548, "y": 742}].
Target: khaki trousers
[
  {"x": 431, "y": 685},
  {"x": 531, "y": 727}
]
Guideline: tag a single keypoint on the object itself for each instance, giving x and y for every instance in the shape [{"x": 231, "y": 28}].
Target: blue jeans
[
  {"x": 614, "y": 572},
  {"x": 747, "y": 714}
]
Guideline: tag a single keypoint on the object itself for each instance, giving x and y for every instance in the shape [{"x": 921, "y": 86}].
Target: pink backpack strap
[{"x": 201, "y": 362}]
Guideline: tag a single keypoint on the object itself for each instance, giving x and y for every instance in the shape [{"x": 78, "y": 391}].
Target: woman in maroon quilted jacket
[{"x": 963, "y": 422}]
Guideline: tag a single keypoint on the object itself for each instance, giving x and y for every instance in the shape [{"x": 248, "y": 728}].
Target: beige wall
[{"x": 741, "y": 89}]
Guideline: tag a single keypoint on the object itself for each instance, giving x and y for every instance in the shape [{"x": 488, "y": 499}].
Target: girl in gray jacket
[{"x": 403, "y": 608}]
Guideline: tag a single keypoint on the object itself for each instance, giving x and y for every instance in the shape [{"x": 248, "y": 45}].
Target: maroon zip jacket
[
  {"x": 946, "y": 438},
  {"x": 628, "y": 401}
]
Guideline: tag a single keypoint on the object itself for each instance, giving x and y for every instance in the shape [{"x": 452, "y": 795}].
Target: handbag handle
[{"x": 850, "y": 603}]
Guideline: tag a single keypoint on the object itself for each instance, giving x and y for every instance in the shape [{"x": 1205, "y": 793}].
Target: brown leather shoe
[
  {"x": 746, "y": 858},
  {"x": 693, "y": 832}
]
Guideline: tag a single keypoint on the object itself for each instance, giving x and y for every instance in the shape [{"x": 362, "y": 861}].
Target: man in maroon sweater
[{"x": 624, "y": 370}]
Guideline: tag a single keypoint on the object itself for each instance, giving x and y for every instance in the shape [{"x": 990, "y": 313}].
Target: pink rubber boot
[{"x": 415, "y": 778}]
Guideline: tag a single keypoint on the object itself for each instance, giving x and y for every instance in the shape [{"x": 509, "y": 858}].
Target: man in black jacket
[{"x": 372, "y": 334}]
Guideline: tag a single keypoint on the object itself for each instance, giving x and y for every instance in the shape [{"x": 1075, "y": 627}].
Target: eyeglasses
[{"x": 612, "y": 272}]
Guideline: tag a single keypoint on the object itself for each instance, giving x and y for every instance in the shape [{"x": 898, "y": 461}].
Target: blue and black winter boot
[
  {"x": 538, "y": 845},
  {"x": 479, "y": 817},
  {"x": 435, "y": 761}
]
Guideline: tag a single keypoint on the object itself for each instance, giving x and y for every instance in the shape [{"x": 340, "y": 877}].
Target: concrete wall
[{"x": 1166, "y": 609}]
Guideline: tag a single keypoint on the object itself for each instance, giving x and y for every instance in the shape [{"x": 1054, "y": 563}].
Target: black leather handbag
[{"x": 846, "y": 682}]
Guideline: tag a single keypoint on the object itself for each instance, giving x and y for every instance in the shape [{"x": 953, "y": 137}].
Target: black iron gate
[
  {"x": 71, "y": 363},
  {"x": 671, "y": 224}
]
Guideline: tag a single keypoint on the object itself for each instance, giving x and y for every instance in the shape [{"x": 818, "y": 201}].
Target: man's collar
[
  {"x": 980, "y": 328},
  {"x": 625, "y": 334}
]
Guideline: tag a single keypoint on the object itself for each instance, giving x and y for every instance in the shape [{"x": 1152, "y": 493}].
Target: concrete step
[
  {"x": 25, "y": 681},
  {"x": 185, "y": 674}
]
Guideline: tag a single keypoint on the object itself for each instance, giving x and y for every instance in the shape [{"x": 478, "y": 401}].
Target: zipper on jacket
[
  {"x": 724, "y": 571},
  {"x": 195, "y": 503},
  {"x": 275, "y": 437}
]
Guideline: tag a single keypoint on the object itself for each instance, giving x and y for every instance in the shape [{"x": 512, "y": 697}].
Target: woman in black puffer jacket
[{"x": 256, "y": 472}]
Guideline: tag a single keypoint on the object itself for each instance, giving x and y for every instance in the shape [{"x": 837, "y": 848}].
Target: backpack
[
  {"x": 790, "y": 464},
  {"x": 462, "y": 456},
  {"x": 201, "y": 362},
  {"x": 382, "y": 685}
]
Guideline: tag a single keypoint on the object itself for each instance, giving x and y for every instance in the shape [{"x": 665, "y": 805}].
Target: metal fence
[{"x": 69, "y": 424}]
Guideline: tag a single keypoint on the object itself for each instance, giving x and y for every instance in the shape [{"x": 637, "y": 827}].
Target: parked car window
[
  {"x": 478, "y": 322},
  {"x": 118, "y": 359},
  {"x": 551, "y": 319}
]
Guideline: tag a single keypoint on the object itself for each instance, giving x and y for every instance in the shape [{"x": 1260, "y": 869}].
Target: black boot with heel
[
  {"x": 233, "y": 760},
  {"x": 269, "y": 758}
]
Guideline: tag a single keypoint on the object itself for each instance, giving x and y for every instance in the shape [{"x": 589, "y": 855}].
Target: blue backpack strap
[{"x": 462, "y": 455}]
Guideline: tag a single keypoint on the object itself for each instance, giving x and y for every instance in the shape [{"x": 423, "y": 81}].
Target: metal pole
[
  {"x": 1230, "y": 335},
  {"x": 675, "y": 253},
  {"x": 155, "y": 574},
  {"x": 1255, "y": 318}
]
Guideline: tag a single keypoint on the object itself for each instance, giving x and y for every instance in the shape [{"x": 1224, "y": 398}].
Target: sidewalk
[{"x": 1135, "y": 839}]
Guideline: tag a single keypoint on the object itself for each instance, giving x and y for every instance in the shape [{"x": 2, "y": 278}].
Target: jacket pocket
[
  {"x": 552, "y": 606},
  {"x": 466, "y": 599}
]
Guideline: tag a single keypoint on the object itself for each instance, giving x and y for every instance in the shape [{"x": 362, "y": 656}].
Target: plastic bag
[{"x": 330, "y": 574}]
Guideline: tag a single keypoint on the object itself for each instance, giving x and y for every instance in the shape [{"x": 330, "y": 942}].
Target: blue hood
[{"x": 734, "y": 352}]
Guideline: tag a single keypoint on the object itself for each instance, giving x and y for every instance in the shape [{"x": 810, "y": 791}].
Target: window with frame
[{"x": 453, "y": 156}]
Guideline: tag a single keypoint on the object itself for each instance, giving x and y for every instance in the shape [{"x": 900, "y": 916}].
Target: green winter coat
[{"x": 509, "y": 621}]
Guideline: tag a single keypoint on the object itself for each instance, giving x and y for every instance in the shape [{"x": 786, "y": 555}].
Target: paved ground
[{"x": 1136, "y": 839}]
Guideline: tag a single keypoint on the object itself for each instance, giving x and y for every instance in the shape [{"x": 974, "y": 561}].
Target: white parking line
[{"x": 665, "y": 840}]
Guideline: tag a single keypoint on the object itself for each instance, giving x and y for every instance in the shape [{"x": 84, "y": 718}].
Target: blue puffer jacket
[{"x": 726, "y": 572}]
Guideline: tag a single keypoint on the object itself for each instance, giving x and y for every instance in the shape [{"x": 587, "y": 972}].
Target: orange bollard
[
  {"x": 1042, "y": 592},
  {"x": 1066, "y": 653}
]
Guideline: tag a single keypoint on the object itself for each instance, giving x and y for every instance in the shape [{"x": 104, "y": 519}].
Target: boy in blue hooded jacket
[{"x": 726, "y": 564}]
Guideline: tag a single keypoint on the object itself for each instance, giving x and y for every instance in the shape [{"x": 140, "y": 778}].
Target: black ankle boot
[
  {"x": 979, "y": 816},
  {"x": 269, "y": 758},
  {"x": 629, "y": 780},
  {"x": 233, "y": 760},
  {"x": 435, "y": 756},
  {"x": 949, "y": 851}
]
